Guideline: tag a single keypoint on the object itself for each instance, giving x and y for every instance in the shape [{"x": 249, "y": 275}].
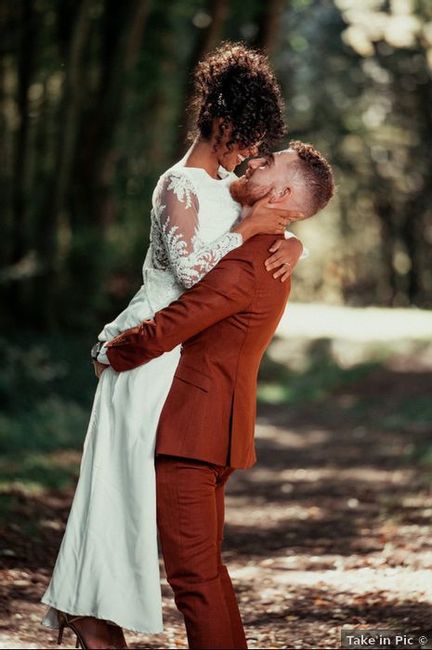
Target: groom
[{"x": 206, "y": 429}]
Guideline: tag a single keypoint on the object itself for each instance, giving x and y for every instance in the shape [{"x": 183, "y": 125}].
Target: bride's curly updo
[{"x": 236, "y": 83}]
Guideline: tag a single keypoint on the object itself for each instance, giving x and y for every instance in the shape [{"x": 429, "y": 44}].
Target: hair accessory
[{"x": 221, "y": 101}]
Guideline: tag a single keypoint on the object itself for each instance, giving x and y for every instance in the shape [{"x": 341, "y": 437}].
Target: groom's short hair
[{"x": 317, "y": 172}]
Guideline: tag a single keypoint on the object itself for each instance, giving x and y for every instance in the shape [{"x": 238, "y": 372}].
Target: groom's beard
[{"x": 245, "y": 192}]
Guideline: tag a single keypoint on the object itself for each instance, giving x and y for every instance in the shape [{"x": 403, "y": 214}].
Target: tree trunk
[
  {"x": 96, "y": 164},
  {"x": 268, "y": 34},
  {"x": 25, "y": 73},
  {"x": 53, "y": 205},
  {"x": 206, "y": 40},
  {"x": 93, "y": 204},
  {"x": 384, "y": 210},
  {"x": 70, "y": 112},
  {"x": 20, "y": 226},
  {"x": 416, "y": 211},
  {"x": 4, "y": 169}
]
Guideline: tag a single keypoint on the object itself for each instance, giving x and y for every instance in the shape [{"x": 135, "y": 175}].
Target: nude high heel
[{"x": 65, "y": 620}]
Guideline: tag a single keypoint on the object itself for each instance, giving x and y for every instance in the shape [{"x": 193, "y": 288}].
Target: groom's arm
[{"x": 228, "y": 289}]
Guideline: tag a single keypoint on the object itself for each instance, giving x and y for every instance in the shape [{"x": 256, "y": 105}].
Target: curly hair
[
  {"x": 236, "y": 83},
  {"x": 318, "y": 173}
]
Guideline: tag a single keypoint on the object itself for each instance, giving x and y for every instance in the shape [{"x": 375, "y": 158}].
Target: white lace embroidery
[
  {"x": 178, "y": 257},
  {"x": 182, "y": 188},
  {"x": 175, "y": 239}
]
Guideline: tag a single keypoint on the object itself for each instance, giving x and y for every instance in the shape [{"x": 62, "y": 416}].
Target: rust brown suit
[{"x": 206, "y": 428}]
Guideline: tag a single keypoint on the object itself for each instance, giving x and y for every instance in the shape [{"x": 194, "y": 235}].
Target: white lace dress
[{"x": 107, "y": 564}]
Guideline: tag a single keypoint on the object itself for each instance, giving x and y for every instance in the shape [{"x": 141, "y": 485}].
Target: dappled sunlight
[
  {"x": 365, "y": 324},
  {"x": 315, "y": 474},
  {"x": 36, "y": 473},
  {"x": 252, "y": 514},
  {"x": 331, "y": 526},
  {"x": 369, "y": 22},
  {"x": 291, "y": 438},
  {"x": 403, "y": 582}
]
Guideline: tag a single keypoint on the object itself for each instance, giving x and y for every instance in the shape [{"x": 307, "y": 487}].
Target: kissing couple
[{"x": 174, "y": 410}]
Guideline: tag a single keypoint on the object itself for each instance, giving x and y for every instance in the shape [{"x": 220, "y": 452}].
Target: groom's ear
[{"x": 279, "y": 195}]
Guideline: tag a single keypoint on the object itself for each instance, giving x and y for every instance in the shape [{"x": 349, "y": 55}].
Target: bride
[{"x": 107, "y": 571}]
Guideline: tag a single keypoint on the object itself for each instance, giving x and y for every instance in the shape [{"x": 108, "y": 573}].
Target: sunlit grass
[
  {"x": 282, "y": 384},
  {"x": 323, "y": 353},
  {"x": 361, "y": 324},
  {"x": 31, "y": 472}
]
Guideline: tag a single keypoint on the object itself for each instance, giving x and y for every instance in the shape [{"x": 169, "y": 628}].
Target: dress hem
[{"x": 125, "y": 626}]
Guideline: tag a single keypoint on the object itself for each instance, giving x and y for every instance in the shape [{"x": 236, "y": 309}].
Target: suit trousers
[{"x": 190, "y": 516}]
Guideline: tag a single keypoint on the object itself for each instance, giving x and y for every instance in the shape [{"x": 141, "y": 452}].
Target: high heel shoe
[{"x": 65, "y": 620}]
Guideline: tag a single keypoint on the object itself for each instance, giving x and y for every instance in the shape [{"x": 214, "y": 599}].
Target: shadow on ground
[{"x": 330, "y": 528}]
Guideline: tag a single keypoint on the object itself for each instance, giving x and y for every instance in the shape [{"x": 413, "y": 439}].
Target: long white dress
[{"x": 107, "y": 564}]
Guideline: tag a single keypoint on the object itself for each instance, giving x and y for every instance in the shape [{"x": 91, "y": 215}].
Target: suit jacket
[{"x": 225, "y": 323}]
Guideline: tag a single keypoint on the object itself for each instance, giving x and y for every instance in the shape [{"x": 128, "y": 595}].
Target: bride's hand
[
  {"x": 99, "y": 368},
  {"x": 123, "y": 338},
  {"x": 266, "y": 219},
  {"x": 286, "y": 254}
]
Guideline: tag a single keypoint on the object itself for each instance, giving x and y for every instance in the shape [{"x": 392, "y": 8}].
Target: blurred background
[
  {"x": 93, "y": 99},
  {"x": 92, "y": 110}
]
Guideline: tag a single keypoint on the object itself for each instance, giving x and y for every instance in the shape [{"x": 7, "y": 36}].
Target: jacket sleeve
[{"x": 228, "y": 289}]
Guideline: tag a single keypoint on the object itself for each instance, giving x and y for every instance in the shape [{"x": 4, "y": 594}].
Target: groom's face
[{"x": 266, "y": 175}]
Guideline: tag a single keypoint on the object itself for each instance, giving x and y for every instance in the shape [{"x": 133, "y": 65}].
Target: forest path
[{"x": 331, "y": 527}]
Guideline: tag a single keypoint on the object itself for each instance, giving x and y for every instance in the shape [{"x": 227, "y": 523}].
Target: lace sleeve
[{"x": 177, "y": 213}]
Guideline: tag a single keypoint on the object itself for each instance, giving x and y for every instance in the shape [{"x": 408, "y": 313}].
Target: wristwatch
[{"x": 95, "y": 350}]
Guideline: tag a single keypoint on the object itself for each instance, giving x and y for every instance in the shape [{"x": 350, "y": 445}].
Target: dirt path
[{"x": 331, "y": 528}]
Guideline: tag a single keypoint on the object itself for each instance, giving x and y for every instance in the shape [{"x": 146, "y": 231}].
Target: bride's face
[{"x": 233, "y": 155}]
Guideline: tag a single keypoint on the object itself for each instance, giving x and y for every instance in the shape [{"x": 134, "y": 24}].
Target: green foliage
[
  {"x": 92, "y": 113},
  {"x": 318, "y": 380},
  {"x": 358, "y": 77},
  {"x": 32, "y": 472},
  {"x": 414, "y": 413},
  {"x": 46, "y": 388}
]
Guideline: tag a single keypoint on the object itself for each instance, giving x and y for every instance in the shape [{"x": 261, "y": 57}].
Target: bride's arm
[
  {"x": 228, "y": 289},
  {"x": 177, "y": 213},
  {"x": 176, "y": 216}
]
